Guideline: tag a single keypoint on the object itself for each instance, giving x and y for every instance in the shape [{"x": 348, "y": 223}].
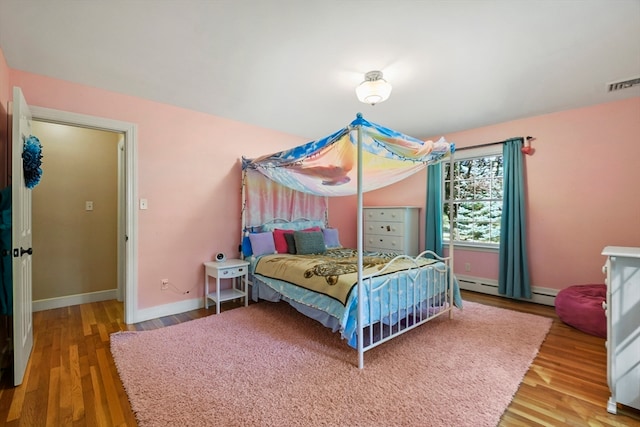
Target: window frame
[{"x": 469, "y": 154}]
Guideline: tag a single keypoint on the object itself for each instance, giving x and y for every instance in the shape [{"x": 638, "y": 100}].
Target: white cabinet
[
  {"x": 392, "y": 229},
  {"x": 623, "y": 325}
]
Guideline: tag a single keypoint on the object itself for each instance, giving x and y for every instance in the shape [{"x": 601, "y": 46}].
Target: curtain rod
[{"x": 528, "y": 138}]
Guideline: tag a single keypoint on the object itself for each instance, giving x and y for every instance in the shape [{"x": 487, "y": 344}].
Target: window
[{"x": 476, "y": 177}]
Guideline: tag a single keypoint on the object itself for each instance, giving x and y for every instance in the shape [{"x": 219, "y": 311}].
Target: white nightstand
[{"x": 229, "y": 269}]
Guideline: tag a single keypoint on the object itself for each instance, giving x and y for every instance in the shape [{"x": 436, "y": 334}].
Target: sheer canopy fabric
[
  {"x": 328, "y": 166},
  {"x": 266, "y": 200}
]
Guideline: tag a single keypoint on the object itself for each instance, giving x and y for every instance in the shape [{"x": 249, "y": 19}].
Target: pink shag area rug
[{"x": 268, "y": 365}]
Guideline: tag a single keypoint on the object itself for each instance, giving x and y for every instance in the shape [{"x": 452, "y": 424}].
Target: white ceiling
[{"x": 293, "y": 65}]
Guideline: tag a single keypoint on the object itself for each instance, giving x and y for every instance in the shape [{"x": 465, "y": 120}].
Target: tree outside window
[{"x": 477, "y": 199}]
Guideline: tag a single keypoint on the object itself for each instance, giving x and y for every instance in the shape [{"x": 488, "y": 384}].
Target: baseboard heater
[{"x": 539, "y": 295}]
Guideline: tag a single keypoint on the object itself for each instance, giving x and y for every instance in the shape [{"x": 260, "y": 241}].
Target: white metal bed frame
[
  {"x": 418, "y": 308},
  {"x": 448, "y": 262},
  {"x": 411, "y": 319},
  {"x": 416, "y": 303}
]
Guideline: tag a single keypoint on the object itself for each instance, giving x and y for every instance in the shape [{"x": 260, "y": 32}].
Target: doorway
[
  {"x": 126, "y": 212},
  {"x": 75, "y": 217}
]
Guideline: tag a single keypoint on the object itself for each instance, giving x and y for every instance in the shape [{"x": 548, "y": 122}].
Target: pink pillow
[{"x": 279, "y": 240}]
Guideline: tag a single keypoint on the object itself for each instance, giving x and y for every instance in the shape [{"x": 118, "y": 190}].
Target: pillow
[
  {"x": 262, "y": 243},
  {"x": 291, "y": 243},
  {"x": 246, "y": 245},
  {"x": 280, "y": 242},
  {"x": 309, "y": 242},
  {"x": 331, "y": 238}
]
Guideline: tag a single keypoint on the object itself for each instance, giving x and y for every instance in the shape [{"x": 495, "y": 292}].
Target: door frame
[{"x": 128, "y": 240}]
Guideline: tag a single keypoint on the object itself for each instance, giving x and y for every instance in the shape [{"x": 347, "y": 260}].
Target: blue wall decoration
[{"x": 32, "y": 161}]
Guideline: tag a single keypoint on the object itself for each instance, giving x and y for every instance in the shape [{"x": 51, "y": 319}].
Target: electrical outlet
[
  {"x": 467, "y": 266},
  {"x": 165, "y": 284}
]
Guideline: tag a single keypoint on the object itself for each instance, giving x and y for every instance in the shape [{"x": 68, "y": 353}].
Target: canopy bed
[{"x": 370, "y": 297}]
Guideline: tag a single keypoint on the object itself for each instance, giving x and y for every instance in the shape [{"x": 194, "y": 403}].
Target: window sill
[{"x": 476, "y": 247}]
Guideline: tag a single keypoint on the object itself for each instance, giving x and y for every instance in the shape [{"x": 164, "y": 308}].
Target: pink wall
[
  {"x": 582, "y": 191},
  {"x": 581, "y": 197},
  {"x": 188, "y": 170}
]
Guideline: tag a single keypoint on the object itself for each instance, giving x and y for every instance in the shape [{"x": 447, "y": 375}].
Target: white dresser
[
  {"x": 392, "y": 229},
  {"x": 623, "y": 325}
]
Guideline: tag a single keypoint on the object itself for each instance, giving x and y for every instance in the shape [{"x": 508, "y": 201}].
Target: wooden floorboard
[{"x": 71, "y": 379}]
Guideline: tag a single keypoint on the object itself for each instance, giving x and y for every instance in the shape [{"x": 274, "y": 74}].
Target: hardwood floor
[
  {"x": 566, "y": 384},
  {"x": 71, "y": 379}
]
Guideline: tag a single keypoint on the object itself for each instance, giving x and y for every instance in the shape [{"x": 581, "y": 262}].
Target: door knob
[{"x": 26, "y": 251}]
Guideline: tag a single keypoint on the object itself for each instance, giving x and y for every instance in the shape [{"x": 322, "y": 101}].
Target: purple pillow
[
  {"x": 331, "y": 238},
  {"x": 262, "y": 243}
]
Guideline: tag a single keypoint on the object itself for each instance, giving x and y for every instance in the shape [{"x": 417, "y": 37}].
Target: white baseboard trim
[
  {"x": 66, "y": 301},
  {"x": 140, "y": 315},
  {"x": 539, "y": 295},
  {"x": 168, "y": 309}
]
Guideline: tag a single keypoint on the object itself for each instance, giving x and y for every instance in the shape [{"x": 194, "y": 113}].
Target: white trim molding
[
  {"x": 539, "y": 295},
  {"x": 159, "y": 311},
  {"x": 130, "y": 131},
  {"x": 66, "y": 301}
]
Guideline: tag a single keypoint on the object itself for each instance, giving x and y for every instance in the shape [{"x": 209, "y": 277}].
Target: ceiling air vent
[{"x": 625, "y": 84}]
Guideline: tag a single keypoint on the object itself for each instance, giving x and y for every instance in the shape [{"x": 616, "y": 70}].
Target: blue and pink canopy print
[{"x": 328, "y": 166}]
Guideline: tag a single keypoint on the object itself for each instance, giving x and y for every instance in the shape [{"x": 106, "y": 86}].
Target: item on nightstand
[{"x": 220, "y": 257}]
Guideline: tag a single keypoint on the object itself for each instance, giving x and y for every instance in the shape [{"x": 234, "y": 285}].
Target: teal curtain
[
  {"x": 514, "y": 269},
  {"x": 433, "y": 211}
]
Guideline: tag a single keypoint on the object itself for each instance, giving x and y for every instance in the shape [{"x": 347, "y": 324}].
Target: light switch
[
  {"x": 143, "y": 204},
  {"x": 88, "y": 205}
]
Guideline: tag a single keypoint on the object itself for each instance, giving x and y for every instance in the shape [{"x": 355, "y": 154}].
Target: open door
[{"x": 21, "y": 241}]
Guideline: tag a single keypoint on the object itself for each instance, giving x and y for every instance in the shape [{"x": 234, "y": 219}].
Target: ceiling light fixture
[{"x": 374, "y": 89}]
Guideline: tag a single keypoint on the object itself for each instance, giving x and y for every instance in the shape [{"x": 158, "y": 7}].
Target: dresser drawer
[
  {"x": 232, "y": 272},
  {"x": 381, "y": 214},
  {"x": 384, "y": 244},
  {"x": 392, "y": 229},
  {"x": 385, "y": 228}
]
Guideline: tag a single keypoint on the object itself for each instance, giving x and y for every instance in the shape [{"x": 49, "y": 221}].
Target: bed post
[
  {"x": 451, "y": 274},
  {"x": 243, "y": 208},
  {"x": 360, "y": 248}
]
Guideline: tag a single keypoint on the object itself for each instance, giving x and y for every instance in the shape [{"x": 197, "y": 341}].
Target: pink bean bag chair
[{"x": 580, "y": 306}]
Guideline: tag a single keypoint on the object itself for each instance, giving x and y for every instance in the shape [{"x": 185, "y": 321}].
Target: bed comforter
[{"x": 327, "y": 284}]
